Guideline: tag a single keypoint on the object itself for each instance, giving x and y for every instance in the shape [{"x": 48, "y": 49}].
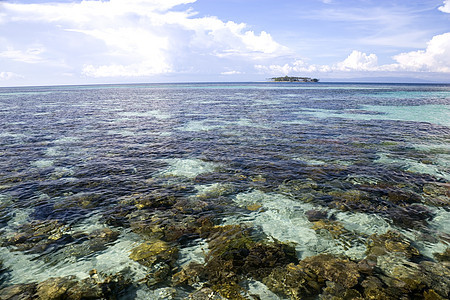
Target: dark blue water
[{"x": 372, "y": 157}]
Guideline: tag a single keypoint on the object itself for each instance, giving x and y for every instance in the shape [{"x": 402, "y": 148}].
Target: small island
[{"x": 294, "y": 79}]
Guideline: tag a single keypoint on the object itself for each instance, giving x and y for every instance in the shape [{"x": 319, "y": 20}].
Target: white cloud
[
  {"x": 142, "y": 37},
  {"x": 31, "y": 55},
  {"x": 298, "y": 66},
  {"x": 231, "y": 73},
  {"x": 435, "y": 58},
  {"x": 8, "y": 75},
  {"x": 358, "y": 61},
  {"x": 446, "y": 7},
  {"x": 230, "y": 39},
  {"x": 134, "y": 70}
]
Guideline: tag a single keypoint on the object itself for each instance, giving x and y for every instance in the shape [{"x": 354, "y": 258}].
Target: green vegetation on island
[{"x": 294, "y": 79}]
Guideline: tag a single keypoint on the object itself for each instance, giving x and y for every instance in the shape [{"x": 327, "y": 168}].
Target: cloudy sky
[{"x": 44, "y": 42}]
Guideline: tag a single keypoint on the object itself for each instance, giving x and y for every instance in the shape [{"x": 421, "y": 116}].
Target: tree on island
[{"x": 294, "y": 79}]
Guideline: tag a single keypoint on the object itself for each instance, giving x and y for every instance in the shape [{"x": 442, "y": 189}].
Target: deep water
[{"x": 225, "y": 191}]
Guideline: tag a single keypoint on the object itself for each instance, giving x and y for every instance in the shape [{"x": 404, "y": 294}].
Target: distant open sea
[{"x": 225, "y": 191}]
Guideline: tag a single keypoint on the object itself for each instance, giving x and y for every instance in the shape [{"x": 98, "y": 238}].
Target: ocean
[{"x": 225, "y": 191}]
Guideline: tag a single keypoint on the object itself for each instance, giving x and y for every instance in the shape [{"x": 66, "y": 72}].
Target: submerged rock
[
  {"x": 18, "y": 291},
  {"x": 436, "y": 189},
  {"x": 391, "y": 242},
  {"x": 293, "y": 281},
  {"x": 343, "y": 238},
  {"x": 2, "y": 271},
  {"x": 375, "y": 289},
  {"x": 153, "y": 200},
  {"x": 443, "y": 257},
  {"x": 192, "y": 275},
  {"x": 37, "y": 236},
  {"x": 159, "y": 257},
  {"x": 69, "y": 288},
  {"x": 334, "y": 291},
  {"x": 326, "y": 276},
  {"x": 235, "y": 255},
  {"x": 403, "y": 196},
  {"x": 55, "y": 288},
  {"x": 436, "y": 277},
  {"x": 86, "y": 244},
  {"x": 205, "y": 294},
  {"x": 410, "y": 216},
  {"x": 338, "y": 270},
  {"x": 152, "y": 252},
  {"x": 314, "y": 215},
  {"x": 437, "y": 194},
  {"x": 216, "y": 190}
]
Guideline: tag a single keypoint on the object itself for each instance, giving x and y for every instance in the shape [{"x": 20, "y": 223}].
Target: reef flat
[{"x": 225, "y": 191}]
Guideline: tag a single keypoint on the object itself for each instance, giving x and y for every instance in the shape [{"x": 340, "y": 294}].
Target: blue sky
[{"x": 120, "y": 41}]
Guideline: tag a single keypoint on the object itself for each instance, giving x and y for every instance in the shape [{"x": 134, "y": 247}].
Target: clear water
[{"x": 261, "y": 154}]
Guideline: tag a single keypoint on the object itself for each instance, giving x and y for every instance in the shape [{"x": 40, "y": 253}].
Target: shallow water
[{"x": 148, "y": 161}]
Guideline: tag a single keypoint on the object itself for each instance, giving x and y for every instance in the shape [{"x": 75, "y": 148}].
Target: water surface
[{"x": 152, "y": 162}]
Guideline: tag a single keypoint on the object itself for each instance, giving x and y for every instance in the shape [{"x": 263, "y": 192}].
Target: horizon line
[{"x": 332, "y": 81}]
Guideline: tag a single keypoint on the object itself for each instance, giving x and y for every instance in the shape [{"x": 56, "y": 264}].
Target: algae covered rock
[
  {"x": 334, "y": 291},
  {"x": 159, "y": 257},
  {"x": 293, "y": 281},
  {"x": 158, "y": 273},
  {"x": 437, "y": 194},
  {"x": 436, "y": 277},
  {"x": 414, "y": 279},
  {"x": 191, "y": 275},
  {"x": 236, "y": 254},
  {"x": 2, "y": 271},
  {"x": 205, "y": 294},
  {"x": 230, "y": 290},
  {"x": 263, "y": 257},
  {"x": 315, "y": 215},
  {"x": 151, "y": 252},
  {"x": 443, "y": 257},
  {"x": 391, "y": 242},
  {"x": 55, "y": 288},
  {"x": 436, "y": 189},
  {"x": 335, "y": 230},
  {"x": 312, "y": 274},
  {"x": 69, "y": 288},
  {"x": 375, "y": 289},
  {"x": 37, "y": 236},
  {"x": 156, "y": 199},
  {"x": 18, "y": 291},
  {"x": 410, "y": 215},
  {"x": 338, "y": 270},
  {"x": 227, "y": 240},
  {"x": 235, "y": 247}
]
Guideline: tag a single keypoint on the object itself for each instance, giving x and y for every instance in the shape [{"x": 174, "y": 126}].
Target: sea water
[{"x": 261, "y": 155}]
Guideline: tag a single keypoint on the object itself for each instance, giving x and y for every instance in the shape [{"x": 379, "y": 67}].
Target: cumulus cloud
[
  {"x": 358, "y": 61},
  {"x": 446, "y": 7},
  {"x": 143, "y": 37},
  {"x": 8, "y": 75},
  {"x": 435, "y": 58},
  {"x": 298, "y": 66}
]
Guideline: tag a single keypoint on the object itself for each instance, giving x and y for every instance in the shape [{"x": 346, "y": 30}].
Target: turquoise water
[
  {"x": 93, "y": 177},
  {"x": 436, "y": 114}
]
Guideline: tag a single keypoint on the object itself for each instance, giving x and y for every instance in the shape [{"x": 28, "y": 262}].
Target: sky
[{"x": 51, "y": 42}]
